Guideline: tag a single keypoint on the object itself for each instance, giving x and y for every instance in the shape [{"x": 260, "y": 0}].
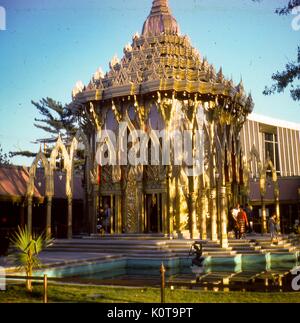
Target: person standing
[
  {"x": 242, "y": 223},
  {"x": 296, "y": 227},
  {"x": 107, "y": 218},
  {"x": 273, "y": 228},
  {"x": 234, "y": 214},
  {"x": 250, "y": 217}
]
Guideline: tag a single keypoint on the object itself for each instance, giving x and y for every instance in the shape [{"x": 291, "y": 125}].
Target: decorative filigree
[{"x": 131, "y": 203}]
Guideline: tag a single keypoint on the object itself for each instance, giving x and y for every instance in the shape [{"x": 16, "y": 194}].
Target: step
[
  {"x": 104, "y": 247},
  {"x": 275, "y": 250},
  {"x": 248, "y": 252},
  {"x": 108, "y": 242}
]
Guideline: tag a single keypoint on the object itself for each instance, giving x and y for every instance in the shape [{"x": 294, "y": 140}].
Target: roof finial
[
  {"x": 160, "y": 20},
  {"x": 160, "y": 7}
]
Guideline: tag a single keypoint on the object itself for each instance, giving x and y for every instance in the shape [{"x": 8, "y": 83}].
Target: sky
[{"x": 49, "y": 45}]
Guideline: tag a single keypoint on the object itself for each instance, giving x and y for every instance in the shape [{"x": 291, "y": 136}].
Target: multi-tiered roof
[{"x": 160, "y": 59}]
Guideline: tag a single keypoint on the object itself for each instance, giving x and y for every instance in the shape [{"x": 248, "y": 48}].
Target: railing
[
  {"x": 44, "y": 279},
  {"x": 162, "y": 285},
  {"x": 45, "y": 282}
]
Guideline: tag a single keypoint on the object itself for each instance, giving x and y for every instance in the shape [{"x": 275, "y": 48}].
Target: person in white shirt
[{"x": 234, "y": 214}]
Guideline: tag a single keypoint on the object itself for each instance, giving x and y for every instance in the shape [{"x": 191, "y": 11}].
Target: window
[{"x": 271, "y": 150}]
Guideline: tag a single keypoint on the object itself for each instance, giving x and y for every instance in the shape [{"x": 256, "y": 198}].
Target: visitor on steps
[
  {"x": 107, "y": 216},
  {"x": 234, "y": 214},
  {"x": 100, "y": 221},
  {"x": 296, "y": 227},
  {"x": 199, "y": 259},
  {"x": 250, "y": 217},
  {"x": 273, "y": 229},
  {"x": 242, "y": 221}
]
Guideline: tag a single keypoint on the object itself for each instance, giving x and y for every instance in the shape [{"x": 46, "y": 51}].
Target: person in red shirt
[{"x": 242, "y": 221}]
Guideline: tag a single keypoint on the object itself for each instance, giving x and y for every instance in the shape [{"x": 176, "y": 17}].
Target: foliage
[
  {"x": 28, "y": 247},
  {"x": 288, "y": 8},
  {"x": 63, "y": 123},
  {"x": 4, "y": 160},
  {"x": 55, "y": 120},
  {"x": 288, "y": 78}
]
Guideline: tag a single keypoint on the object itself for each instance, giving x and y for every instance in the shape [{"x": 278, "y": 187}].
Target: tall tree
[
  {"x": 288, "y": 78},
  {"x": 55, "y": 120}
]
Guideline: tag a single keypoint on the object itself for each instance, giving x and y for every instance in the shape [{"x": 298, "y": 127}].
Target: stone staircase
[
  {"x": 159, "y": 246},
  {"x": 262, "y": 244},
  {"x": 137, "y": 246}
]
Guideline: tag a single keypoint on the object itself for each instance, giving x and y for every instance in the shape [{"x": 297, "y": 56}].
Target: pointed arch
[
  {"x": 254, "y": 153},
  {"x": 32, "y": 171},
  {"x": 107, "y": 141},
  {"x": 154, "y": 139},
  {"x": 80, "y": 137},
  {"x": 254, "y": 161},
  {"x": 123, "y": 132},
  {"x": 60, "y": 147},
  {"x": 269, "y": 165},
  {"x": 155, "y": 117}
]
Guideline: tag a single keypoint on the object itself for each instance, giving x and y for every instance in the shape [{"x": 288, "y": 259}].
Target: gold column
[
  {"x": 169, "y": 201},
  {"x": 123, "y": 210},
  {"x": 229, "y": 195},
  {"x": 176, "y": 208},
  {"x": 92, "y": 211},
  {"x": 112, "y": 209},
  {"x": 118, "y": 217},
  {"x": 70, "y": 232},
  {"x": 262, "y": 188},
  {"x": 263, "y": 215},
  {"x": 204, "y": 207},
  {"x": 213, "y": 194},
  {"x": 213, "y": 214},
  {"x": 194, "y": 233},
  {"x": 277, "y": 204},
  {"x": 224, "y": 237},
  {"x": 141, "y": 210},
  {"x": 164, "y": 213},
  {"x": 29, "y": 214},
  {"x": 48, "y": 219},
  {"x": 158, "y": 213}
]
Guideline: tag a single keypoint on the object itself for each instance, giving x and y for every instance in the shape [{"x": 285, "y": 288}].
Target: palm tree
[{"x": 28, "y": 247}]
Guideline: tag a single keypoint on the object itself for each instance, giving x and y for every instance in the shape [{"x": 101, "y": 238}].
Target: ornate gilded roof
[{"x": 160, "y": 60}]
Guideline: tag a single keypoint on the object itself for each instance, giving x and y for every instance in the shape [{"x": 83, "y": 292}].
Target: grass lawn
[{"x": 92, "y": 294}]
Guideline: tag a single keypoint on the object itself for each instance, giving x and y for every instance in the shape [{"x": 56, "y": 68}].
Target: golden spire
[
  {"x": 159, "y": 7},
  {"x": 160, "y": 20}
]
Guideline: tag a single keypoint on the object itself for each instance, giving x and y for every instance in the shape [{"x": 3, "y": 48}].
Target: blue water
[{"x": 256, "y": 270}]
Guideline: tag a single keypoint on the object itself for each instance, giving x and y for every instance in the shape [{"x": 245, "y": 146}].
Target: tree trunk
[{"x": 29, "y": 272}]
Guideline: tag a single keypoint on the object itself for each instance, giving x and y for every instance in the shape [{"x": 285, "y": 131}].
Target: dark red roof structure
[{"x": 14, "y": 179}]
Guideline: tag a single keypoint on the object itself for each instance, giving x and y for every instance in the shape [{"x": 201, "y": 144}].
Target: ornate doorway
[{"x": 153, "y": 223}]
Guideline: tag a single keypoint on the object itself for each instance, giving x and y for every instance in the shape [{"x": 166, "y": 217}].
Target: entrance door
[
  {"x": 107, "y": 203},
  {"x": 153, "y": 214}
]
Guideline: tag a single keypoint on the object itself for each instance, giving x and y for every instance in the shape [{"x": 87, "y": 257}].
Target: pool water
[{"x": 271, "y": 275}]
